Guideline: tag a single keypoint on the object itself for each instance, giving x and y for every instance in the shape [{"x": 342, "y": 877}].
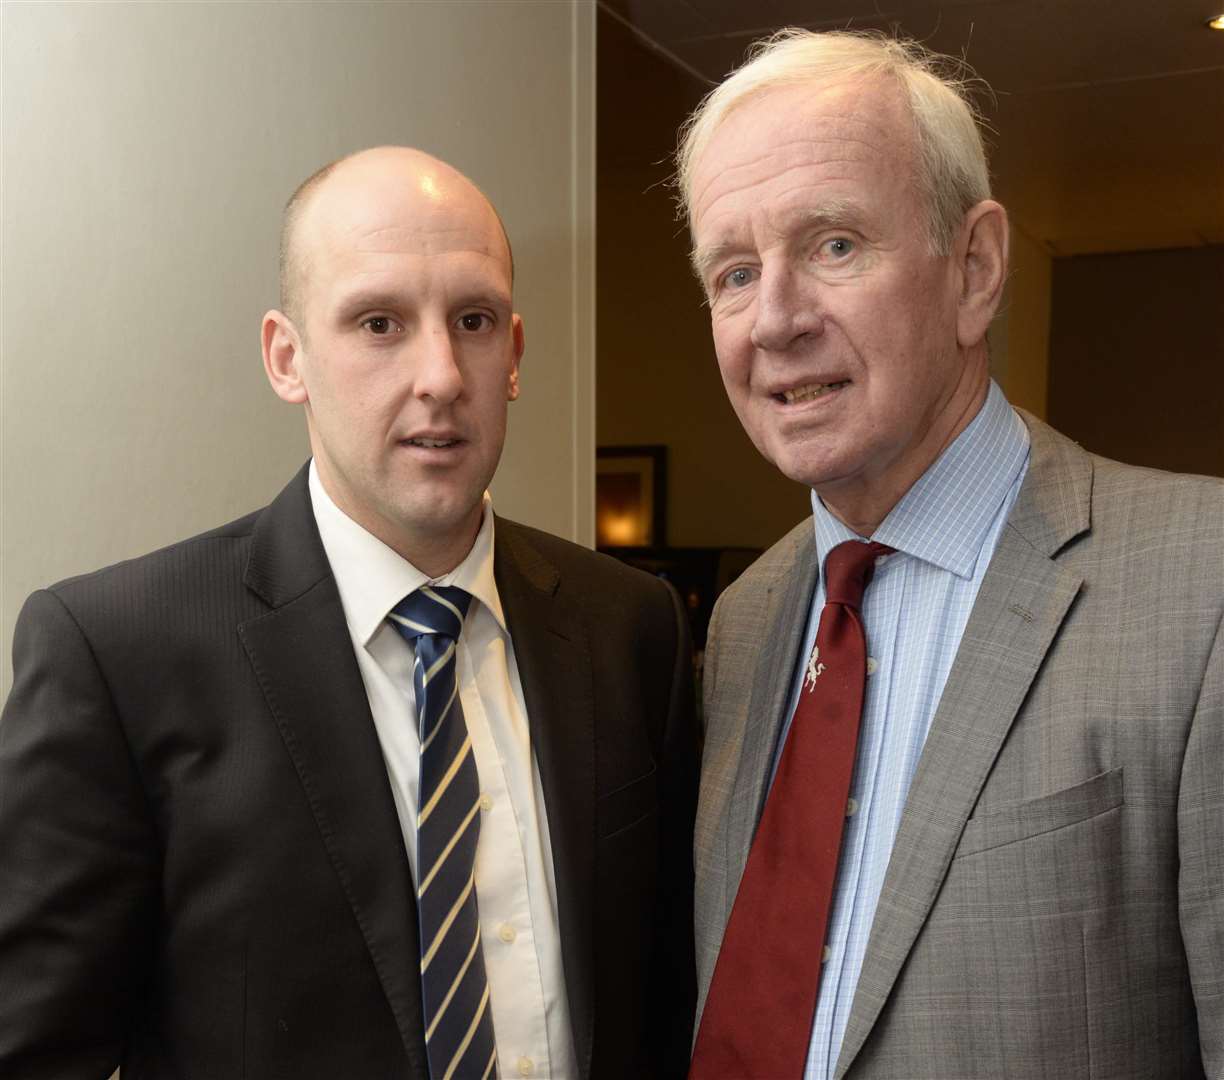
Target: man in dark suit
[
  {"x": 962, "y": 795},
  {"x": 219, "y": 763}
]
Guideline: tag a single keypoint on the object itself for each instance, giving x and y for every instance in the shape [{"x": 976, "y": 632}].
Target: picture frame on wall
[{"x": 631, "y": 496}]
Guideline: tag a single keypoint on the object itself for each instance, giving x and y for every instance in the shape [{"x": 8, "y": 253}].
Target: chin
[
  {"x": 443, "y": 514},
  {"x": 820, "y": 461},
  {"x": 798, "y": 467}
]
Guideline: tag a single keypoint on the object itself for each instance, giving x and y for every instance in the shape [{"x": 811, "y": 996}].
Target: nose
[
  {"x": 437, "y": 369},
  {"x": 785, "y": 310}
]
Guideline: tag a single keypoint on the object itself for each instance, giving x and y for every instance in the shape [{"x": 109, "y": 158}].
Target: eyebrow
[
  {"x": 701, "y": 259},
  {"x": 367, "y": 300},
  {"x": 372, "y": 299},
  {"x": 829, "y": 214}
]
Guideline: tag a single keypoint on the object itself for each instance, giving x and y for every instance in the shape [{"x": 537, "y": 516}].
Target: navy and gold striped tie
[{"x": 458, "y": 1020}]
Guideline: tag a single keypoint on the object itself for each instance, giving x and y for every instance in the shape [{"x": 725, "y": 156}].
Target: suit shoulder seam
[{"x": 93, "y": 656}]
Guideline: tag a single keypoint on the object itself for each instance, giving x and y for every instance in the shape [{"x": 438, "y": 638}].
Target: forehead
[
  {"x": 799, "y": 145},
  {"x": 375, "y": 219}
]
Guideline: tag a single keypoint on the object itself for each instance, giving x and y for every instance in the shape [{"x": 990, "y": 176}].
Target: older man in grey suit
[{"x": 969, "y": 822}]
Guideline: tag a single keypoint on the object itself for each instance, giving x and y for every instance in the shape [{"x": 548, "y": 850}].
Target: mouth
[
  {"x": 431, "y": 444},
  {"x": 809, "y": 392}
]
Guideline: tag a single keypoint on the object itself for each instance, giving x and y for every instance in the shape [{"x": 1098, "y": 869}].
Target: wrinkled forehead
[{"x": 814, "y": 131}]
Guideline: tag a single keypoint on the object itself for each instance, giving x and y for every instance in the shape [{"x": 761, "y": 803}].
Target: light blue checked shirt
[{"x": 945, "y": 530}]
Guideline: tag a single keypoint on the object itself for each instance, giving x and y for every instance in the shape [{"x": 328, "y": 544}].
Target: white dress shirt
[{"x": 515, "y": 887}]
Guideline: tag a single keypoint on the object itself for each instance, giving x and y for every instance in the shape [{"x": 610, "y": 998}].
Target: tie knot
[
  {"x": 848, "y": 570},
  {"x": 431, "y": 609}
]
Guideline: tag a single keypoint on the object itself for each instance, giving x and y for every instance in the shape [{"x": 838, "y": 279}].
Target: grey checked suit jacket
[{"x": 1054, "y": 904}]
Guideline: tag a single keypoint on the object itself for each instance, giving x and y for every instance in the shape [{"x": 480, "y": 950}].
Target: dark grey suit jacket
[
  {"x": 1054, "y": 904},
  {"x": 202, "y": 869}
]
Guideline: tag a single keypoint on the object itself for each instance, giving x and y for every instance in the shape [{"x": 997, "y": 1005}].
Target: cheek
[
  {"x": 733, "y": 352},
  {"x": 735, "y": 382},
  {"x": 895, "y": 340},
  {"x": 380, "y": 389}
]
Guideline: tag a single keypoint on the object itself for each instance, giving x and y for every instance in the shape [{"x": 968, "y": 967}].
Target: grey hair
[{"x": 953, "y": 172}]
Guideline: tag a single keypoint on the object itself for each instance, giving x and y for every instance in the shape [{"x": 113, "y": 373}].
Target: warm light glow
[
  {"x": 619, "y": 530},
  {"x": 1217, "y": 23},
  {"x": 622, "y": 509}
]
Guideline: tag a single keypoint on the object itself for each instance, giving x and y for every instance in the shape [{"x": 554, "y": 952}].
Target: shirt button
[
  {"x": 486, "y": 802},
  {"x": 824, "y": 956},
  {"x": 506, "y": 933},
  {"x": 872, "y": 665},
  {"x": 851, "y": 807},
  {"x": 525, "y": 1066}
]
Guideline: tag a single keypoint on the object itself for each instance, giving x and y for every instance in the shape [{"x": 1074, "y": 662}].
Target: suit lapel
[
  {"x": 303, "y": 657},
  {"x": 554, "y": 663},
  {"x": 783, "y": 621},
  {"x": 1022, "y": 602}
]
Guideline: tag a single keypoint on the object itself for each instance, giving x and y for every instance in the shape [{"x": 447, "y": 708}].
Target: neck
[
  {"x": 433, "y": 553},
  {"x": 434, "y": 560}
]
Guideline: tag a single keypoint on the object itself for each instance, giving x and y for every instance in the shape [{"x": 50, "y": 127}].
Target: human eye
[
  {"x": 474, "y": 322},
  {"x": 738, "y": 278},
  {"x": 381, "y": 325},
  {"x": 837, "y": 248}
]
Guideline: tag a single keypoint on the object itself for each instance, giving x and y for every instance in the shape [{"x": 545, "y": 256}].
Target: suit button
[
  {"x": 506, "y": 933},
  {"x": 525, "y": 1066}
]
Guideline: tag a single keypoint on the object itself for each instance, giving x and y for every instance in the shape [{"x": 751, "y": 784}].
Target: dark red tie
[{"x": 757, "y": 1022}]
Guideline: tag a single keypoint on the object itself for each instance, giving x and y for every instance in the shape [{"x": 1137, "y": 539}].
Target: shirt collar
[
  {"x": 946, "y": 516},
  {"x": 372, "y": 578}
]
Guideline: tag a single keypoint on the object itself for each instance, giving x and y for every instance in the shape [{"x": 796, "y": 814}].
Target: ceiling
[{"x": 1107, "y": 119}]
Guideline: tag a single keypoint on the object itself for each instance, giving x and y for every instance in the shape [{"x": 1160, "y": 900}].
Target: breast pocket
[
  {"x": 1035, "y": 817},
  {"x": 1047, "y": 856}
]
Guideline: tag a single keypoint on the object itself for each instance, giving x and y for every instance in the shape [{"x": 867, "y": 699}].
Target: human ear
[
  {"x": 519, "y": 342},
  {"x": 981, "y": 250},
  {"x": 282, "y": 351}
]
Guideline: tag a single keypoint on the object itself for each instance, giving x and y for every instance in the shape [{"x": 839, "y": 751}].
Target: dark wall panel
[{"x": 1137, "y": 356}]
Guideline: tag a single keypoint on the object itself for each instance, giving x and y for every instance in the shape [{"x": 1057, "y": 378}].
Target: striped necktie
[{"x": 455, "y": 989}]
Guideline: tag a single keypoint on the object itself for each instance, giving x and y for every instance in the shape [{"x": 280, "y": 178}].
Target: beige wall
[{"x": 147, "y": 150}]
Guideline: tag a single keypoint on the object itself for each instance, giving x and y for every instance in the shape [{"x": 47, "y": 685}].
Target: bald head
[
  {"x": 399, "y": 338},
  {"x": 339, "y": 196}
]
